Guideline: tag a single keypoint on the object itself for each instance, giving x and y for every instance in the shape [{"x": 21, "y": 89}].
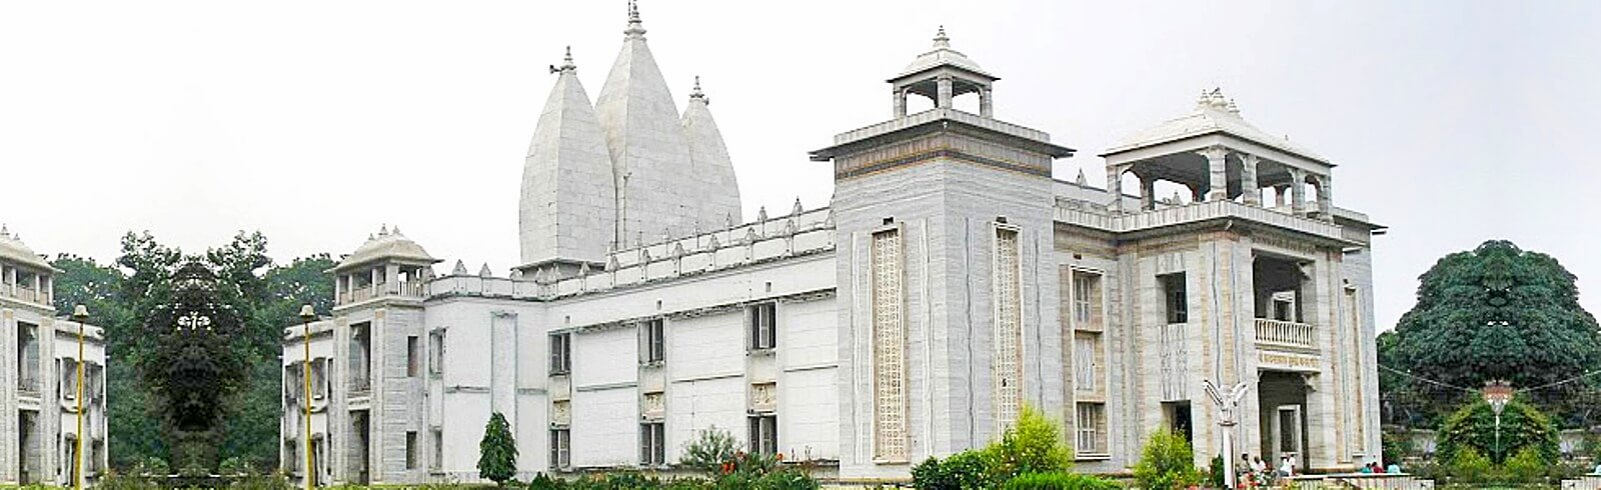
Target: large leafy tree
[
  {"x": 1494, "y": 313},
  {"x": 139, "y": 291}
]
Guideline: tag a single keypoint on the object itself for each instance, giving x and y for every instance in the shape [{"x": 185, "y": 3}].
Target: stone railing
[
  {"x": 25, "y": 293},
  {"x": 1137, "y": 220},
  {"x": 1285, "y": 333},
  {"x": 760, "y": 241},
  {"x": 410, "y": 289},
  {"x": 1363, "y": 481},
  {"x": 900, "y": 123},
  {"x": 1586, "y": 482}
]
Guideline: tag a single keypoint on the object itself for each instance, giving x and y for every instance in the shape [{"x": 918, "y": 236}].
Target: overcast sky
[{"x": 315, "y": 122}]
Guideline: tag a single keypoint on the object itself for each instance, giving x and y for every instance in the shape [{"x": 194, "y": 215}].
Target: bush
[
  {"x": 1167, "y": 463},
  {"x": 1468, "y": 466},
  {"x": 1527, "y": 466},
  {"x": 497, "y": 451},
  {"x": 1214, "y": 472},
  {"x": 711, "y": 448},
  {"x": 960, "y": 471},
  {"x": 1030, "y": 446},
  {"x": 1521, "y": 425},
  {"x": 1058, "y": 481}
]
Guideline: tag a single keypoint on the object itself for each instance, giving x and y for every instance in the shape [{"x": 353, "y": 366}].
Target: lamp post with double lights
[
  {"x": 306, "y": 316},
  {"x": 80, "y": 314},
  {"x": 1227, "y": 400},
  {"x": 1498, "y": 394}
]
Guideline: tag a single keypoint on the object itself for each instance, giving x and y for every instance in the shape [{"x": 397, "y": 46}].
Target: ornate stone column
[
  {"x": 1297, "y": 191},
  {"x": 899, "y": 96},
  {"x": 1325, "y": 196},
  {"x": 1147, "y": 192},
  {"x": 1114, "y": 186},
  {"x": 945, "y": 92},
  {"x": 1248, "y": 185},
  {"x": 986, "y": 104},
  {"x": 1217, "y": 170}
]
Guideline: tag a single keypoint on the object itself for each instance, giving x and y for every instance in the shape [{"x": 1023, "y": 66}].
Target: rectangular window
[
  {"x": 561, "y": 448},
  {"x": 764, "y": 434},
  {"x": 1086, "y": 349},
  {"x": 763, "y": 326},
  {"x": 1283, "y": 309},
  {"x": 436, "y": 352},
  {"x": 889, "y": 348},
  {"x": 413, "y": 356},
  {"x": 319, "y": 378},
  {"x": 1082, "y": 287},
  {"x": 1173, "y": 289},
  {"x": 1091, "y": 434},
  {"x": 655, "y": 348},
  {"x": 1007, "y": 363},
  {"x": 561, "y": 361},
  {"x": 411, "y": 449},
  {"x": 439, "y": 449},
  {"x": 652, "y": 444}
]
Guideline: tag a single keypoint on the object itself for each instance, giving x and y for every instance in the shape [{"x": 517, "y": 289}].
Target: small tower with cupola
[{"x": 946, "y": 278}]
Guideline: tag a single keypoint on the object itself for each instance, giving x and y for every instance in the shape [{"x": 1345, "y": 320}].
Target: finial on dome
[
  {"x": 566, "y": 63},
  {"x": 1214, "y": 99},
  {"x": 1081, "y": 181},
  {"x": 941, "y": 41},
  {"x": 5, "y": 231},
  {"x": 696, "y": 93},
  {"x": 1233, "y": 109},
  {"x": 636, "y": 29}
]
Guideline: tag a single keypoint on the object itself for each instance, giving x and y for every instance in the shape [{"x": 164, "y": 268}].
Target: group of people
[
  {"x": 1254, "y": 472},
  {"x": 1373, "y": 467}
]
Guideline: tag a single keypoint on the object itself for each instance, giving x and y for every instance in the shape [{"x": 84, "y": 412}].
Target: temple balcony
[
  {"x": 1130, "y": 221},
  {"x": 1287, "y": 346},
  {"x": 24, "y": 293},
  {"x": 408, "y": 289}
]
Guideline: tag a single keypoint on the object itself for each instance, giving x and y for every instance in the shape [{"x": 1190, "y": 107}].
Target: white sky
[{"x": 314, "y": 122}]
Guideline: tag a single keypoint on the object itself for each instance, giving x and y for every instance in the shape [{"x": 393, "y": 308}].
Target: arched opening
[
  {"x": 1169, "y": 193},
  {"x": 967, "y": 102},
  {"x": 1313, "y": 193},
  {"x": 916, "y": 103}
]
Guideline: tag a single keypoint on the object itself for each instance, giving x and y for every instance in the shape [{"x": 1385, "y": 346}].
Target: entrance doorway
[
  {"x": 360, "y": 470},
  {"x": 1288, "y": 427},
  {"x": 1179, "y": 419}
]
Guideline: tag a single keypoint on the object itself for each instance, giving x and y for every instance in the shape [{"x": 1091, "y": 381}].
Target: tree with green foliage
[
  {"x": 497, "y": 452},
  {"x": 1032, "y": 445},
  {"x": 1494, "y": 313},
  {"x": 1166, "y": 463},
  {"x": 1522, "y": 426},
  {"x": 1030, "y": 451},
  {"x": 126, "y": 297},
  {"x": 1528, "y": 465},
  {"x": 709, "y": 451},
  {"x": 1470, "y": 466}
]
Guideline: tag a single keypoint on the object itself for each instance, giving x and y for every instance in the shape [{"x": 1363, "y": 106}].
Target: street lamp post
[
  {"x": 1498, "y": 394},
  {"x": 306, "y": 316},
  {"x": 80, "y": 314},
  {"x": 1227, "y": 400}
]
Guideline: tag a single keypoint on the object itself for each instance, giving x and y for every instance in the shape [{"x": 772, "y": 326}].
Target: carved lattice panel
[
  {"x": 1007, "y": 362},
  {"x": 889, "y": 349}
]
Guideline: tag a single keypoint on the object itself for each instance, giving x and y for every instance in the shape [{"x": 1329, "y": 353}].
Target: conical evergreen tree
[{"x": 497, "y": 452}]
